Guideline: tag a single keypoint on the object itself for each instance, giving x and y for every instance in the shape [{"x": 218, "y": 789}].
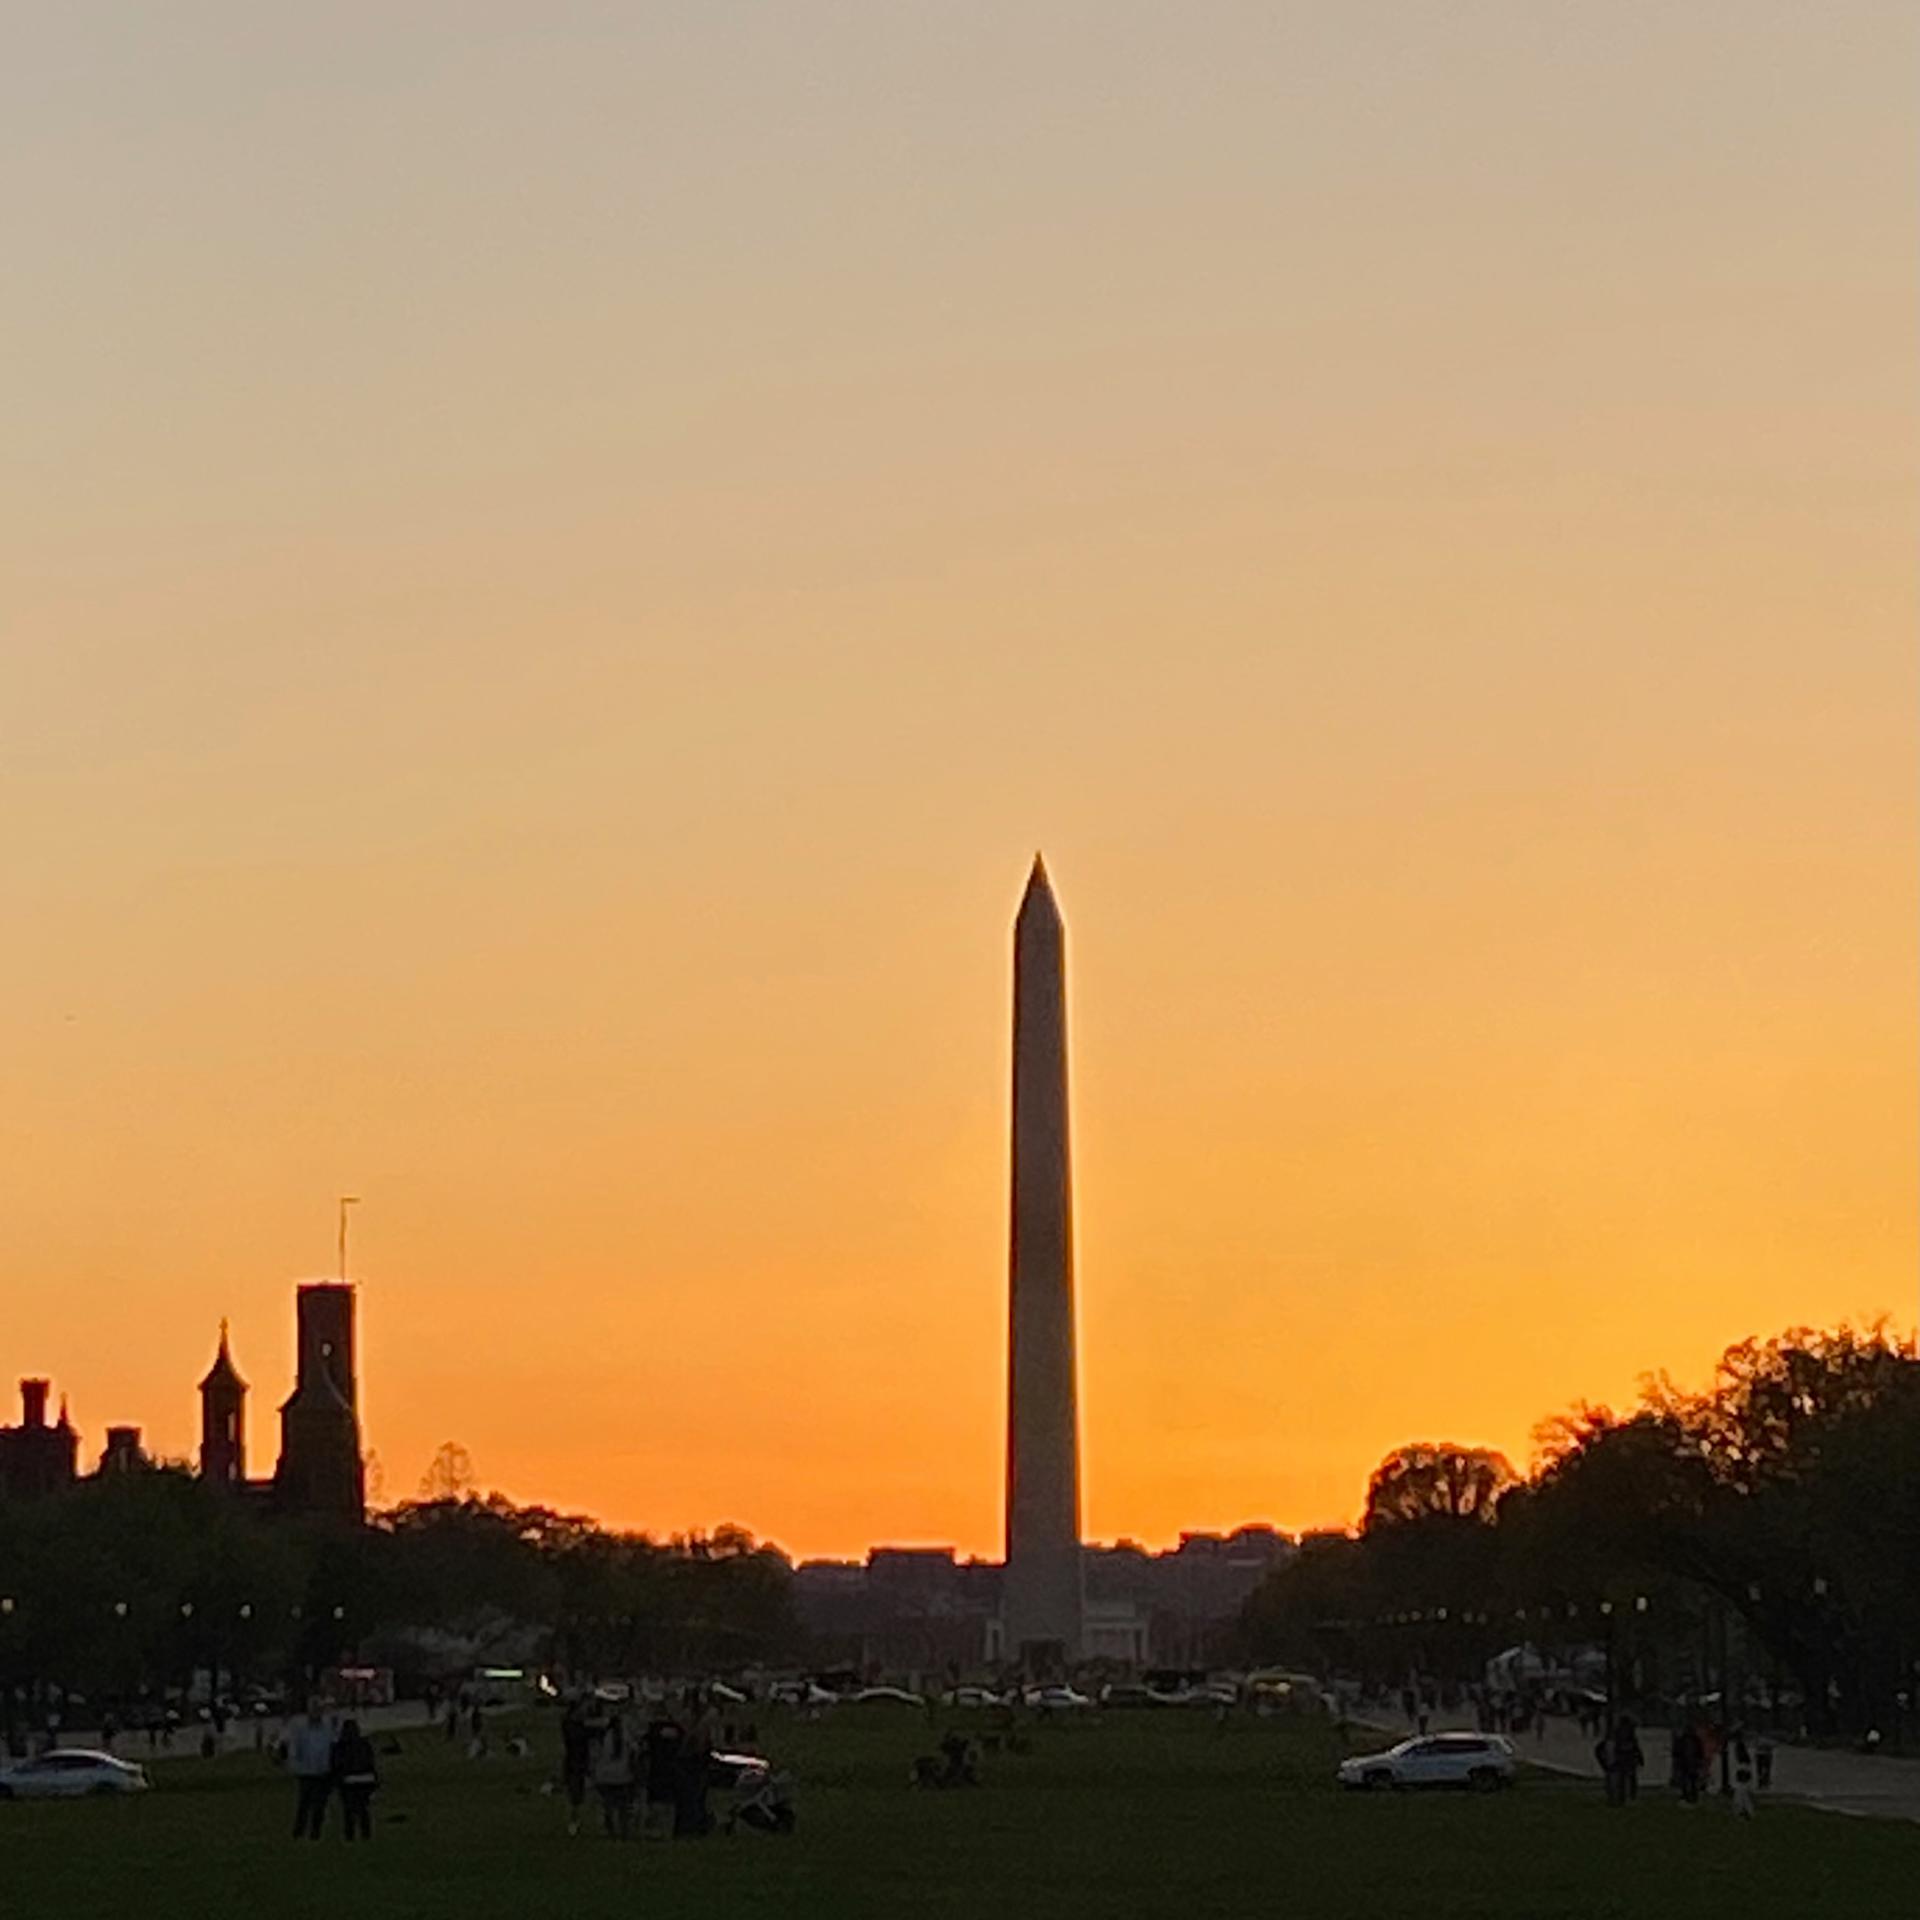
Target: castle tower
[
  {"x": 36, "y": 1458},
  {"x": 223, "y": 1420},
  {"x": 1042, "y": 1601},
  {"x": 320, "y": 1469}
]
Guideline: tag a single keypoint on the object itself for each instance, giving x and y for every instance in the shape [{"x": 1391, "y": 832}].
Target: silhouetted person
[
  {"x": 310, "y": 1761},
  {"x": 356, "y": 1774},
  {"x": 1743, "y": 1770},
  {"x": 1621, "y": 1760},
  {"x": 577, "y": 1733},
  {"x": 614, "y": 1779},
  {"x": 1763, "y": 1761},
  {"x": 664, "y": 1738},
  {"x": 690, "y": 1817},
  {"x": 1689, "y": 1756}
]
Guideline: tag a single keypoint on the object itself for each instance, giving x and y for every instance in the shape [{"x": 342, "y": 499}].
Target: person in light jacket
[{"x": 310, "y": 1761}]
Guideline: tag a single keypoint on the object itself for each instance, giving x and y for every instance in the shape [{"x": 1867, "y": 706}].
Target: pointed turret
[
  {"x": 223, "y": 1373},
  {"x": 223, "y": 1420}
]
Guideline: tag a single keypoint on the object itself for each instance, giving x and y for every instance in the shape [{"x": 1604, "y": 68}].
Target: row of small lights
[
  {"x": 122, "y": 1608},
  {"x": 1641, "y": 1604}
]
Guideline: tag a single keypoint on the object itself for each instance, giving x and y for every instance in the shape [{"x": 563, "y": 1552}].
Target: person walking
[
  {"x": 357, "y": 1775},
  {"x": 310, "y": 1761},
  {"x": 613, "y": 1780}
]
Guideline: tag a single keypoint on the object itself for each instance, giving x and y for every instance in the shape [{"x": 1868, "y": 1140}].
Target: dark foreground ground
[{"x": 1155, "y": 1815}]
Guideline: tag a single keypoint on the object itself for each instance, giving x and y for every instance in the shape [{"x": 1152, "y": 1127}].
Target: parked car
[
  {"x": 1057, "y": 1699},
  {"x": 1213, "y": 1693},
  {"x": 972, "y": 1697},
  {"x": 70, "y": 1773},
  {"x": 801, "y": 1693},
  {"x": 1132, "y": 1693},
  {"x": 1481, "y": 1760},
  {"x": 887, "y": 1696}
]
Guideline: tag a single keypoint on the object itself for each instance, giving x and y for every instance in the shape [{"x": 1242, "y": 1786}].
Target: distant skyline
[{"x": 556, "y": 564}]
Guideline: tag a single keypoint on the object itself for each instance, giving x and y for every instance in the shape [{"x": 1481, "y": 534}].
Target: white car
[
  {"x": 887, "y": 1696},
  {"x": 971, "y": 1697},
  {"x": 1482, "y": 1760},
  {"x": 70, "y": 1773},
  {"x": 801, "y": 1693},
  {"x": 1057, "y": 1699}
]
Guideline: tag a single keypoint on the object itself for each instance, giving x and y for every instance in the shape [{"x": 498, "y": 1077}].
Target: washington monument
[{"x": 1041, "y": 1605}]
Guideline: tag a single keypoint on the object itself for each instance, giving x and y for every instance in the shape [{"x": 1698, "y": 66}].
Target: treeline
[
  {"x": 1760, "y": 1538},
  {"x": 127, "y": 1585}
]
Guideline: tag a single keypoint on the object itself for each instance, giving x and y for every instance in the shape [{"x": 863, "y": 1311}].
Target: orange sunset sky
[{"x": 557, "y": 562}]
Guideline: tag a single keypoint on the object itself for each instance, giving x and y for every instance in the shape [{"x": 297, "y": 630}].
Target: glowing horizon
[{"x": 557, "y": 569}]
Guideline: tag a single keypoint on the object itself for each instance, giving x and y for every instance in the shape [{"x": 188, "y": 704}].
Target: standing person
[
  {"x": 690, "y": 1816},
  {"x": 1623, "y": 1762},
  {"x": 310, "y": 1761},
  {"x": 1742, "y": 1775},
  {"x": 664, "y": 1738},
  {"x": 356, "y": 1774},
  {"x": 613, "y": 1779},
  {"x": 1689, "y": 1763},
  {"x": 1763, "y": 1761},
  {"x": 576, "y": 1758}
]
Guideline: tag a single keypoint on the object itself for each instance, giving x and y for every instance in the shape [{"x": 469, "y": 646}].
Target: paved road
[{"x": 1856, "y": 1783}]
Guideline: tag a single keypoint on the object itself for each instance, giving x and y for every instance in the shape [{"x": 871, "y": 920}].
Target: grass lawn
[{"x": 1155, "y": 1814}]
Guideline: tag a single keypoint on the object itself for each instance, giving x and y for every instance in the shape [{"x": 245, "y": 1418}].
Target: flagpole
[{"x": 346, "y": 1200}]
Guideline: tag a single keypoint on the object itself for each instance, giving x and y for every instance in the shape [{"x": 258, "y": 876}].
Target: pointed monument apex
[{"x": 1039, "y": 894}]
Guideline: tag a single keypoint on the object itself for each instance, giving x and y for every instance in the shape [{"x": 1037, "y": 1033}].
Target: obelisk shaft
[{"x": 1042, "y": 1605}]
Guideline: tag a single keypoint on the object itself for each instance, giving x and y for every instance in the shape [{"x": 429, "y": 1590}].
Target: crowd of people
[
  {"x": 651, "y": 1776},
  {"x": 1746, "y": 1762}
]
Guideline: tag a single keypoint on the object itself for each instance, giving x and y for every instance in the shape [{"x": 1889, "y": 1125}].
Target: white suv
[{"x": 1482, "y": 1760}]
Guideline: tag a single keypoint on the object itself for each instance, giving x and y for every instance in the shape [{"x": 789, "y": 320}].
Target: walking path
[{"x": 1856, "y": 1783}]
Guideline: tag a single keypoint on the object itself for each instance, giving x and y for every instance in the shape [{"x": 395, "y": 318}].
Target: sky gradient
[{"x": 556, "y": 564}]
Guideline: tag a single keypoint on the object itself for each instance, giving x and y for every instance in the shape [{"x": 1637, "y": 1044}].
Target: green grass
[{"x": 1150, "y": 1815}]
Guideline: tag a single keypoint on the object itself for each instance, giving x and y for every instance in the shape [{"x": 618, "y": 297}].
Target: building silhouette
[
  {"x": 319, "y": 1472},
  {"x": 320, "y": 1469},
  {"x": 223, "y": 1420},
  {"x": 37, "y": 1458}
]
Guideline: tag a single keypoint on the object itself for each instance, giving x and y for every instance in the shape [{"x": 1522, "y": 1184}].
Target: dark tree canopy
[
  {"x": 1781, "y": 1500},
  {"x": 1428, "y": 1480}
]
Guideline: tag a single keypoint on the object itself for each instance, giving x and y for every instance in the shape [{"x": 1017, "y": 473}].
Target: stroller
[{"x": 763, "y": 1802}]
